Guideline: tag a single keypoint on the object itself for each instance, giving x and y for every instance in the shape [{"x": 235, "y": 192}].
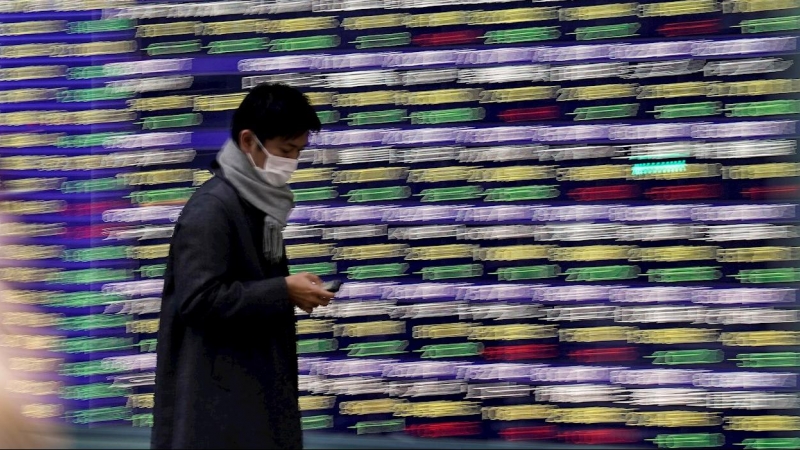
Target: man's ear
[
  {"x": 244, "y": 139},
  {"x": 248, "y": 142}
]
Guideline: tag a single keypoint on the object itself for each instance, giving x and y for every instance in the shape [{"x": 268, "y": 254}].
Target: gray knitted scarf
[{"x": 275, "y": 202}]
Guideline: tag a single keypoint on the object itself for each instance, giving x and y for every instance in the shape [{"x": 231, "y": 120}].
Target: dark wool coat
[{"x": 227, "y": 347}]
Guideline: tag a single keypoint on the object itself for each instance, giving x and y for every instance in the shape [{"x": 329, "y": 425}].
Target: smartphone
[{"x": 332, "y": 286}]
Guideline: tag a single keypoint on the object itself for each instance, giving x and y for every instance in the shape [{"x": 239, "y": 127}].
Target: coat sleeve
[{"x": 205, "y": 293}]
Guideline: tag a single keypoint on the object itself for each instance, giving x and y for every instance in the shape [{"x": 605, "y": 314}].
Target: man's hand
[{"x": 305, "y": 291}]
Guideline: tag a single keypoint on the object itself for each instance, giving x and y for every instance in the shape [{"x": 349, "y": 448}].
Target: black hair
[{"x": 274, "y": 110}]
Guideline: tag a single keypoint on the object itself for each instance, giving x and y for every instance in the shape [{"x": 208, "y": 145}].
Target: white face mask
[{"x": 277, "y": 170}]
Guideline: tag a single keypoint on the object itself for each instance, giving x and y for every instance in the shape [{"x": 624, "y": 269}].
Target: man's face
[{"x": 281, "y": 147}]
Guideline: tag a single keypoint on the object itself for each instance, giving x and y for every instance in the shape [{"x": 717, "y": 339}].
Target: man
[{"x": 227, "y": 356}]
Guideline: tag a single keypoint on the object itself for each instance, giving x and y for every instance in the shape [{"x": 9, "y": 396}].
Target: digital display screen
[{"x": 557, "y": 221}]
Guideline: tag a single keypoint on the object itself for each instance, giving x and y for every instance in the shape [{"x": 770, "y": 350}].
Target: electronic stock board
[{"x": 557, "y": 221}]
